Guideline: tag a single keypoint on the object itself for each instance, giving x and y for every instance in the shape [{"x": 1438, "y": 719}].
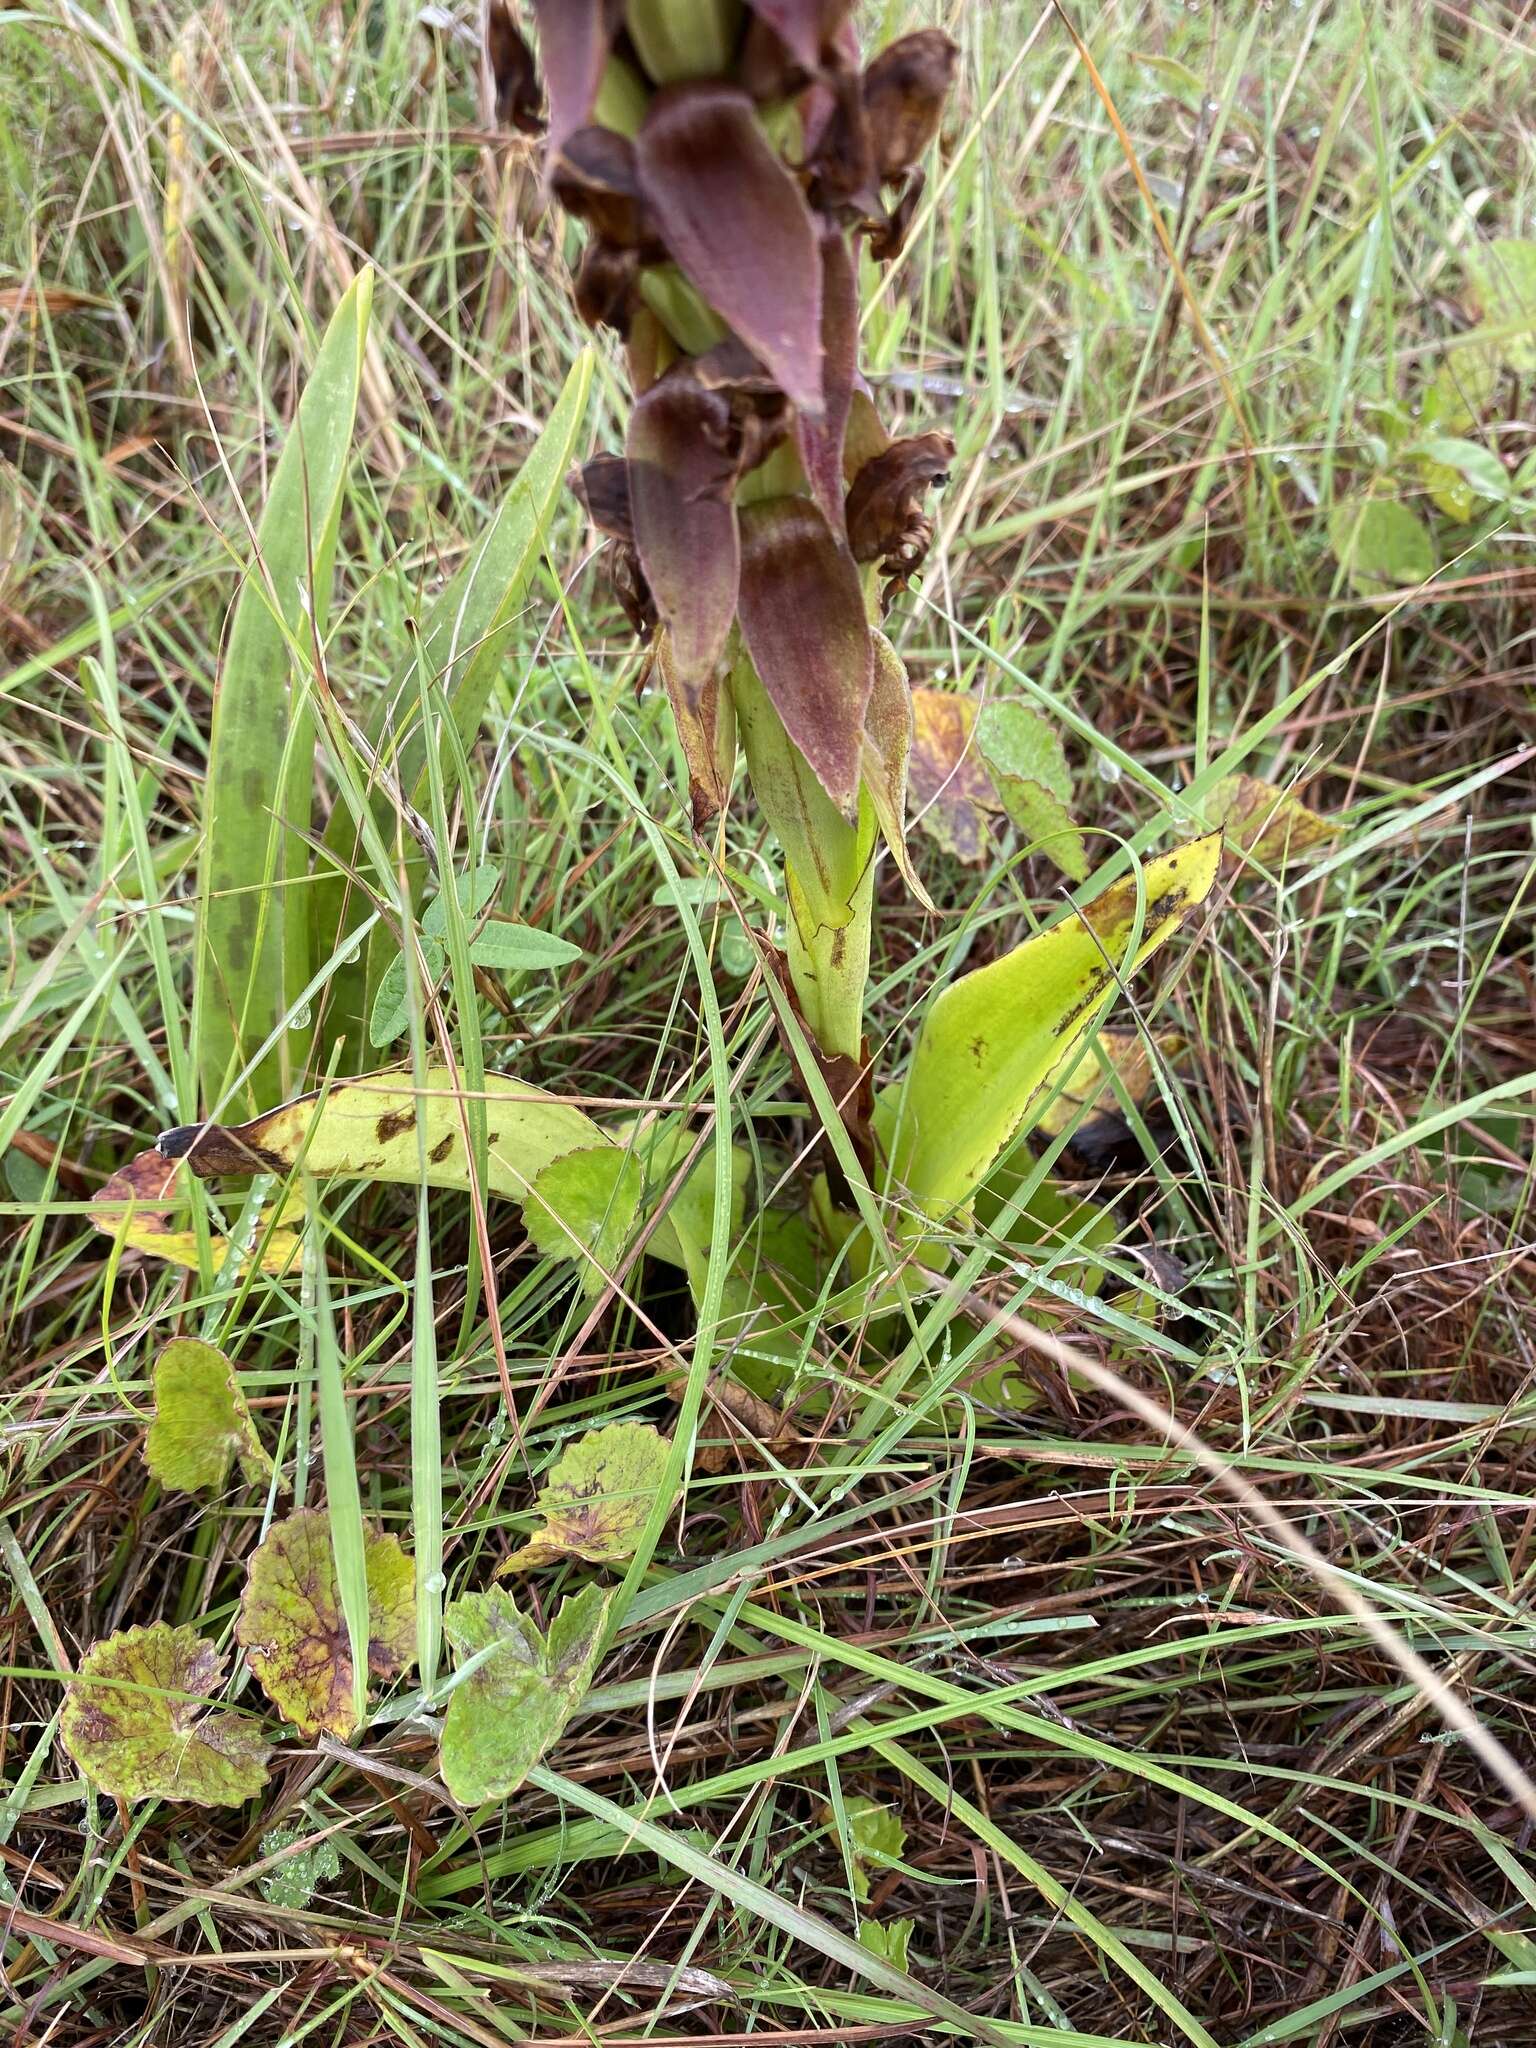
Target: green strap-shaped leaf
[
  {"x": 253, "y": 952},
  {"x": 462, "y": 644},
  {"x": 991, "y": 1042}
]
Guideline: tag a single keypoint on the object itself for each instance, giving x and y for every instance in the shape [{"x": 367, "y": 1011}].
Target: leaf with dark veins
[
  {"x": 735, "y": 221},
  {"x": 139, "y": 1722},
  {"x": 821, "y": 441},
  {"x": 293, "y": 1632},
  {"x": 803, "y": 619}
]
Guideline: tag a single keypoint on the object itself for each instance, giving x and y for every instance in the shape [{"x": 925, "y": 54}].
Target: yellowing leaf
[
  {"x": 596, "y": 1499},
  {"x": 202, "y": 1420},
  {"x": 138, "y": 1722},
  {"x": 293, "y": 1632},
  {"x": 990, "y": 1042},
  {"x": 520, "y": 1690},
  {"x": 1088, "y": 1088},
  {"x": 1029, "y": 771},
  {"x": 1264, "y": 821},
  {"x": 1380, "y": 544},
  {"x": 951, "y": 791},
  {"x": 137, "y": 1207},
  {"x": 888, "y": 729},
  {"x": 582, "y": 1206}
]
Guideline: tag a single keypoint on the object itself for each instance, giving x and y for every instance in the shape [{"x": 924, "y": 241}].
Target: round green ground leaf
[
  {"x": 137, "y": 1722},
  {"x": 201, "y": 1421},
  {"x": 597, "y": 1497},
  {"x": 1380, "y": 544},
  {"x": 582, "y": 1206},
  {"x": 293, "y": 1631},
  {"x": 515, "y": 1702}
]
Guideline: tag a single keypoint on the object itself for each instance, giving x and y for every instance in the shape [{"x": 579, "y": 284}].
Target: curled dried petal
[
  {"x": 904, "y": 93},
  {"x": 595, "y": 180},
  {"x": 514, "y": 76},
  {"x": 602, "y": 486},
  {"x": 736, "y": 222},
  {"x": 605, "y": 286},
  {"x": 886, "y": 522},
  {"x": 888, "y": 235}
]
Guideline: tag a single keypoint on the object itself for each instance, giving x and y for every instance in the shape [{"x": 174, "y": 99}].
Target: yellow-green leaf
[
  {"x": 596, "y": 1500},
  {"x": 138, "y": 1208},
  {"x": 583, "y": 1206},
  {"x": 202, "y": 1421},
  {"x": 1380, "y": 544},
  {"x": 876, "y": 1839},
  {"x": 990, "y": 1043},
  {"x": 520, "y": 1688},
  {"x": 366, "y": 1130},
  {"x": 1504, "y": 278},
  {"x": 951, "y": 791},
  {"x": 138, "y": 1719},
  {"x": 1262, "y": 820},
  {"x": 293, "y": 1632},
  {"x": 888, "y": 731},
  {"x": 1029, "y": 771},
  {"x": 1126, "y": 1057}
]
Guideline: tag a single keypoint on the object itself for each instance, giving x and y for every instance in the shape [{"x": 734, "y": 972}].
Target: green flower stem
[{"x": 828, "y": 871}]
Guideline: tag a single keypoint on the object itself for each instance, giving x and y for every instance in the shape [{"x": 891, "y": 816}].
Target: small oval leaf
[
  {"x": 202, "y": 1421},
  {"x": 597, "y": 1497},
  {"x": 293, "y": 1632}
]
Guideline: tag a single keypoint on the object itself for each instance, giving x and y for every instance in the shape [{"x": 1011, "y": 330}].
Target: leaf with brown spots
[
  {"x": 991, "y": 1042},
  {"x": 140, "y": 1208},
  {"x": 735, "y": 221},
  {"x": 292, "y": 1629},
  {"x": 596, "y": 1499},
  {"x": 803, "y": 620},
  {"x": 951, "y": 791},
  {"x": 139, "y": 1721}
]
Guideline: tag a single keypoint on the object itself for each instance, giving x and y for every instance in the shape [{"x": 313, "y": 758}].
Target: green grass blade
[
  {"x": 461, "y": 646},
  {"x": 253, "y": 935}
]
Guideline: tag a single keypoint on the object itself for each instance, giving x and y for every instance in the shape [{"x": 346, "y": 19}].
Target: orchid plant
[{"x": 734, "y": 167}]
